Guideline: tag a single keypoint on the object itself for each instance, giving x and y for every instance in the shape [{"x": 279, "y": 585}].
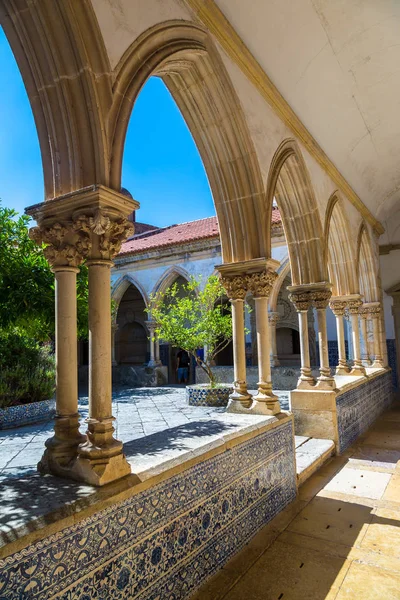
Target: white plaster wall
[{"x": 122, "y": 21}]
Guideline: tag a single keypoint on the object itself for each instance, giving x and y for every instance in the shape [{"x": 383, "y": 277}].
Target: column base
[
  {"x": 239, "y": 402},
  {"x": 358, "y": 371},
  {"x": 342, "y": 370},
  {"x": 306, "y": 383},
  {"x": 62, "y": 449},
  {"x": 377, "y": 364},
  {"x": 265, "y": 405},
  {"x": 325, "y": 383},
  {"x": 100, "y": 471},
  {"x": 275, "y": 361},
  {"x": 366, "y": 362}
]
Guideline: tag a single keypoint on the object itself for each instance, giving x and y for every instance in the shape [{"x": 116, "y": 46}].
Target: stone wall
[
  {"x": 283, "y": 378},
  {"x": 163, "y": 542},
  {"x": 359, "y": 407}
]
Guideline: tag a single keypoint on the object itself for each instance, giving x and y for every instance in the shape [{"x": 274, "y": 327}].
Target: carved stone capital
[
  {"x": 338, "y": 307},
  {"x": 107, "y": 233},
  {"x": 235, "y": 286},
  {"x": 64, "y": 246},
  {"x": 273, "y": 317},
  {"x": 370, "y": 309},
  {"x": 353, "y": 306},
  {"x": 321, "y": 298},
  {"x": 302, "y": 300},
  {"x": 260, "y": 284}
]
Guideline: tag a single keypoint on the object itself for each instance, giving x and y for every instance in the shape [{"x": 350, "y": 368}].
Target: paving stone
[{"x": 369, "y": 484}]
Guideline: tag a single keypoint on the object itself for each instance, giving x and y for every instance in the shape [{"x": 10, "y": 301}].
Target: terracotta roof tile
[{"x": 178, "y": 234}]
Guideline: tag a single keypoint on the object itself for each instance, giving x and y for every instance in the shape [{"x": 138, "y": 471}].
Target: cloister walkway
[{"x": 340, "y": 539}]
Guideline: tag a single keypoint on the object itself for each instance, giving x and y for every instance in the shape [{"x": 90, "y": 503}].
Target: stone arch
[
  {"x": 184, "y": 56},
  {"x": 339, "y": 249},
  {"x": 168, "y": 278},
  {"x": 64, "y": 64},
  {"x": 282, "y": 274},
  {"x": 289, "y": 183},
  {"x": 366, "y": 267},
  {"x": 122, "y": 284}
]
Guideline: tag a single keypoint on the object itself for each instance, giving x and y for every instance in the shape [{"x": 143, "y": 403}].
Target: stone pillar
[
  {"x": 114, "y": 328},
  {"x": 312, "y": 338},
  {"x": 91, "y": 223},
  {"x": 338, "y": 308},
  {"x": 63, "y": 255},
  {"x": 260, "y": 284},
  {"x": 236, "y": 290},
  {"x": 302, "y": 301},
  {"x": 273, "y": 318},
  {"x": 395, "y": 293},
  {"x": 151, "y": 325},
  {"x": 321, "y": 300},
  {"x": 365, "y": 359},
  {"x": 373, "y": 309},
  {"x": 157, "y": 351},
  {"x": 353, "y": 308}
]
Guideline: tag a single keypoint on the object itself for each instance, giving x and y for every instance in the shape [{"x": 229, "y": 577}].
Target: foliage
[
  {"x": 27, "y": 283},
  {"x": 191, "y": 317},
  {"x": 27, "y": 370}
]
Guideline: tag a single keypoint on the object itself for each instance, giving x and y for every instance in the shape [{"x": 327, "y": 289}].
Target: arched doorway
[{"x": 131, "y": 337}]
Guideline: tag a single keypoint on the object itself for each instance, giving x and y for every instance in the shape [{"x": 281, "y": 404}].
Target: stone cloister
[{"x": 83, "y": 68}]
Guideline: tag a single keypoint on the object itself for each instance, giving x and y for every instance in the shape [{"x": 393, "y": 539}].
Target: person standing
[{"x": 183, "y": 363}]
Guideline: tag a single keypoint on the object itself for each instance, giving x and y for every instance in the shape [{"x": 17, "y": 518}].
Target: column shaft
[
  {"x": 377, "y": 341},
  {"x": 306, "y": 377},
  {"x": 62, "y": 447},
  {"x": 239, "y": 353},
  {"x": 358, "y": 368},
  {"x": 342, "y": 368},
  {"x": 325, "y": 377},
  {"x": 264, "y": 395},
  {"x": 273, "y": 318},
  {"x": 364, "y": 334}
]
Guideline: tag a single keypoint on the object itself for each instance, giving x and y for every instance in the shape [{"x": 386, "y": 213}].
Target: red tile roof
[{"x": 178, "y": 234}]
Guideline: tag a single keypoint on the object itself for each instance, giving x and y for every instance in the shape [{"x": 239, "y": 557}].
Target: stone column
[
  {"x": 63, "y": 255},
  {"x": 157, "y": 351},
  {"x": 260, "y": 284},
  {"x": 321, "y": 300},
  {"x": 273, "y": 318},
  {"x": 365, "y": 359},
  {"x": 236, "y": 290},
  {"x": 114, "y": 328},
  {"x": 151, "y": 325},
  {"x": 302, "y": 302},
  {"x": 338, "y": 308},
  {"x": 353, "y": 308},
  {"x": 395, "y": 293},
  {"x": 373, "y": 309}
]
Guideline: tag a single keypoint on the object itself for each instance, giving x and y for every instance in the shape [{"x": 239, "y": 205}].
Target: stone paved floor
[
  {"x": 156, "y": 426},
  {"x": 340, "y": 540},
  {"x": 140, "y": 413}
]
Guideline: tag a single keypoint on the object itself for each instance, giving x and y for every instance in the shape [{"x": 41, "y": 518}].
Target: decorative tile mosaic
[
  {"x": 16, "y": 416},
  {"x": 206, "y": 396},
  {"x": 392, "y": 360},
  {"x": 164, "y": 542},
  {"x": 358, "y": 408}
]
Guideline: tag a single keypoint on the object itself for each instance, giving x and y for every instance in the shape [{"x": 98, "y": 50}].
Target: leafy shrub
[{"x": 27, "y": 370}]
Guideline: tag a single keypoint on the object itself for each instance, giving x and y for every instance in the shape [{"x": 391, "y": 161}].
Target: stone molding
[
  {"x": 370, "y": 309},
  {"x": 304, "y": 298},
  {"x": 338, "y": 307}
]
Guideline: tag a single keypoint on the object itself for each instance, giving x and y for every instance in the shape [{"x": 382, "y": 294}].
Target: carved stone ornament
[
  {"x": 371, "y": 310},
  {"x": 321, "y": 298},
  {"x": 260, "y": 284},
  {"x": 302, "y": 300},
  {"x": 338, "y": 307},
  {"x": 235, "y": 287},
  {"x": 353, "y": 306},
  {"x": 111, "y": 233},
  {"x": 64, "y": 246},
  {"x": 273, "y": 317}
]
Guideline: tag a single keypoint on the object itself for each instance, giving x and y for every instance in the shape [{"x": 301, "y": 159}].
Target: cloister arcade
[{"x": 83, "y": 72}]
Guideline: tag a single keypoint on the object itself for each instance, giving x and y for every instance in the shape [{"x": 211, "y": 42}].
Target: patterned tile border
[
  {"x": 203, "y": 395},
  {"x": 163, "y": 542},
  {"x": 24, "y": 414},
  {"x": 359, "y": 407}
]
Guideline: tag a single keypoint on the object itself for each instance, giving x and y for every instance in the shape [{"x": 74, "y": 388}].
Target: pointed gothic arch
[
  {"x": 168, "y": 278},
  {"x": 289, "y": 183},
  {"x": 122, "y": 284},
  {"x": 366, "y": 266},
  {"x": 184, "y": 56},
  {"x": 339, "y": 251}
]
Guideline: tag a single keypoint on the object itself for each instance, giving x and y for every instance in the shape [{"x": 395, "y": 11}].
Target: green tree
[
  {"x": 27, "y": 283},
  {"x": 191, "y": 317}
]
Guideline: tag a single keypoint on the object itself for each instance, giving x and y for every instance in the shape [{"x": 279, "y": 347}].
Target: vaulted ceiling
[{"x": 337, "y": 63}]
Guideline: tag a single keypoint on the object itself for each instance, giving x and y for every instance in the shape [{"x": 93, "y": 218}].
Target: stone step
[{"x": 311, "y": 454}]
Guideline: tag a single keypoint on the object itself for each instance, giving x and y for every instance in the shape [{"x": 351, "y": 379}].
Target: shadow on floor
[{"x": 176, "y": 438}]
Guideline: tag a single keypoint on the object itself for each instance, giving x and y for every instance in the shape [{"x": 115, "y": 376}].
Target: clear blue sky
[{"x": 162, "y": 168}]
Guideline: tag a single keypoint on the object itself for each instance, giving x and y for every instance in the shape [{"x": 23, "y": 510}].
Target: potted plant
[{"x": 193, "y": 318}]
